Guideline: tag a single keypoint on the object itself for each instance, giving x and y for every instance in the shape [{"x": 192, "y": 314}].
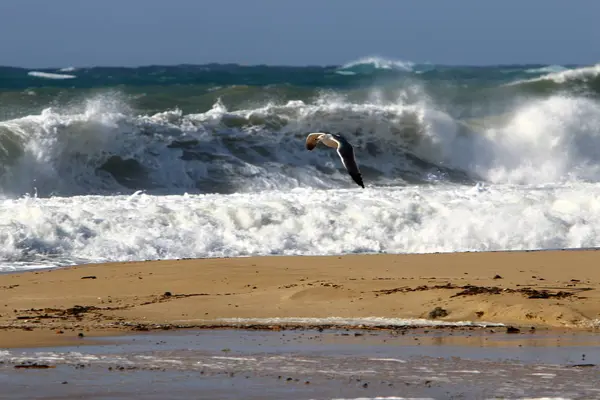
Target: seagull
[{"x": 344, "y": 149}]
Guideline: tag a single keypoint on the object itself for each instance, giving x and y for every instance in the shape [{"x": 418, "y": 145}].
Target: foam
[
  {"x": 389, "y": 360},
  {"x": 62, "y": 231},
  {"x": 380, "y": 63},
  {"x": 249, "y": 187},
  {"x": 49, "y": 75},
  {"x": 547, "y": 69},
  {"x": 384, "y": 398},
  {"x": 342, "y": 72},
  {"x": 535, "y": 142},
  {"x": 540, "y": 141},
  {"x": 364, "y": 321},
  {"x": 563, "y": 76}
]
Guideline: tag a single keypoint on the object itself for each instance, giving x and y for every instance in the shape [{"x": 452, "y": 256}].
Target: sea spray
[
  {"x": 210, "y": 161},
  {"x": 442, "y": 218},
  {"x": 101, "y": 150}
]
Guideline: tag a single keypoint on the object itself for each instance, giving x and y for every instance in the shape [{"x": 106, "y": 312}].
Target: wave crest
[
  {"x": 49, "y": 75},
  {"x": 372, "y": 63},
  {"x": 104, "y": 148},
  {"x": 565, "y": 76}
]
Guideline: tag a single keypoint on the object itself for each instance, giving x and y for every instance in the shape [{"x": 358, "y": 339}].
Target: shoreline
[
  {"x": 550, "y": 290},
  {"x": 90, "y": 264},
  {"x": 328, "y": 364}
]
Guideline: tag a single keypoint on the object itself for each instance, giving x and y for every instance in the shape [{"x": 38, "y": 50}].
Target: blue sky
[{"x": 59, "y": 33}]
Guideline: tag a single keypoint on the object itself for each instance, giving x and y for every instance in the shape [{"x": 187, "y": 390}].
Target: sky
[{"x": 61, "y": 33}]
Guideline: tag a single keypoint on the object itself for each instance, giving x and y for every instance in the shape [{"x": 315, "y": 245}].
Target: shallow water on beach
[{"x": 308, "y": 364}]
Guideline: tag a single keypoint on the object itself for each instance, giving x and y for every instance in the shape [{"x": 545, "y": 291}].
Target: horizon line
[{"x": 358, "y": 62}]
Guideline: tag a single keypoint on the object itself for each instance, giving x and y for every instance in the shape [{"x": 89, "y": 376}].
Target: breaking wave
[
  {"x": 449, "y": 164},
  {"x": 103, "y": 148}
]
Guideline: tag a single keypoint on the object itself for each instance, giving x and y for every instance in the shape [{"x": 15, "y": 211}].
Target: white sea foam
[
  {"x": 50, "y": 75},
  {"x": 535, "y": 142},
  {"x": 547, "y": 69},
  {"x": 388, "y": 360},
  {"x": 342, "y": 72},
  {"x": 234, "y": 358},
  {"x": 384, "y": 398},
  {"x": 546, "y": 398},
  {"x": 544, "y": 375},
  {"x": 61, "y": 357},
  {"x": 562, "y": 76},
  {"x": 537, "y": 163},
  {"x": 380, "y": 63},
  {"x": 365, "y": 321},
  {"x": 541, "y": 141},
  {"x": 59, "y": 231}
]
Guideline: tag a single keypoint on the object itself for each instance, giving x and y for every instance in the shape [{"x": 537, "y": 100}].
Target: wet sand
[
  {"x": 309, "y": 364},
  {"x": 470, "y": 325},
  {"x": 543, "y": 289}
]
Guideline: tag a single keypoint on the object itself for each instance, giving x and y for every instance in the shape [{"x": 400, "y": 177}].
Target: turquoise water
[
  {"x": 193, "y": 88},
  {"x": 208, "y": 111}
]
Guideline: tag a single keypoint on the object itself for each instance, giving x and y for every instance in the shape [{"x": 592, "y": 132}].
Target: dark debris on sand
[{"x": 473, "y": 290}]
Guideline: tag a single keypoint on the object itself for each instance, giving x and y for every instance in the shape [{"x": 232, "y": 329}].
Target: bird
[{"x": 344, "y": 150}]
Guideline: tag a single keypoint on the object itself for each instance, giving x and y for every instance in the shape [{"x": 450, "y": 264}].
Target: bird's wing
[
  {"x": 312, "y": 139},
  {"x": 346, "y": 153},
  {"x": 344, "y": 150}
]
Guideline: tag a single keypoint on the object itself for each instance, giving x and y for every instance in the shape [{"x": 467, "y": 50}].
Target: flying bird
[{"x": 344, "y": 149}]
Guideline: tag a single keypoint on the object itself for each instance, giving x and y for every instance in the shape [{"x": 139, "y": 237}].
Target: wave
[
  {"x": 452, "y": 157},
  {"x": 546, "y": 69},
  {"x": 49, "y": 75},
  {"x": 102, "y": 147},
  {"x": 564, "y": 75},
  {"x": 371, "y": 64},
  {"x": 103, "y": 150},
  {"x": 82, "y": 229},
  {"x": 196, "y": 87}
]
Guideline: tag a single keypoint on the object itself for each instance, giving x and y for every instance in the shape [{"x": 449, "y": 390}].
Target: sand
[{"x": 541, "y": 289}]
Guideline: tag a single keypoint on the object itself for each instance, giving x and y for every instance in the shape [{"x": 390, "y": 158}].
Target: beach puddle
[{"x": 308, "y": 364}]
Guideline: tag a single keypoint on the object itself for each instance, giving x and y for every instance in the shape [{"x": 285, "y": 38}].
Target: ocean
[{"x": 163, "y": 162}]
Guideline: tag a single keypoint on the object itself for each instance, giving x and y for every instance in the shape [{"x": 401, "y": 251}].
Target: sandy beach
[{"x": 541, "y": 289}]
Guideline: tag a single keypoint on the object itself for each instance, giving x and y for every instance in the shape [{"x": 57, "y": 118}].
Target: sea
[{"x": 103, "y": 164}]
